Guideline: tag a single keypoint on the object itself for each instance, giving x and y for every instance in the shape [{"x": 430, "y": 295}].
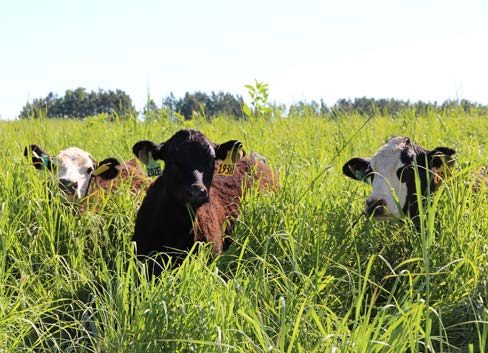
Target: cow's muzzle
[
  {"x": 375, "y": 208},
  {"x": 196, "y": 194},
  {"x": 67, "y": 186}
]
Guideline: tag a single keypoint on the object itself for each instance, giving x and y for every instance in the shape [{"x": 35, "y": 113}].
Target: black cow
[{"x": 187, "y": 203}]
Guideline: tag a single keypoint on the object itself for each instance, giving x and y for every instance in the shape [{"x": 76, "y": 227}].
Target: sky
[{"x": 429, "y": 50}]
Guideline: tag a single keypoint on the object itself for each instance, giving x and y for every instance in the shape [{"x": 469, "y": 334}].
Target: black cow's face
[
  {"x": 189, "y": 164},
  {"x": 391, "y": 171},
  {"x": 72, "y": 168}
]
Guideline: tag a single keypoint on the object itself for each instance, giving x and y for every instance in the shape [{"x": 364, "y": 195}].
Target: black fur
[
  {"x": 37, "y": 155},
  {"x": 112, "y": 172},
  {"x": 164, "y": 222}
]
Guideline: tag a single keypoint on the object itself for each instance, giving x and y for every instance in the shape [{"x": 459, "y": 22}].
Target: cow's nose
[
  {"x": 197, "y": 193},
  {"x": 375, "y": 207},
  {"x": 68, "y": 186}
]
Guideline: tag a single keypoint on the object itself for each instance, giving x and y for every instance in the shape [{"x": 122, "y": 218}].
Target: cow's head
[
  {"x": 391, "y": 171},
  {"x": 189, "y": 164},
  {"x": 73, "y": 168}
]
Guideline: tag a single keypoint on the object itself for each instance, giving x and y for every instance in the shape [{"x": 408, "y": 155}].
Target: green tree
[
  {"x": 259, "y": 94},
  {"x": 79, "y": 104}
]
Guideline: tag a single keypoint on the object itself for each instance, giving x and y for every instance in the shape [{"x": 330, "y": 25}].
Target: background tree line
[
  {"x": 79, "y": 104},
  {"x": 200, "y": 103}
]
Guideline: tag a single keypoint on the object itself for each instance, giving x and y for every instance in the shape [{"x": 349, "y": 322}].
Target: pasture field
[{"x": 301, "y": 276}]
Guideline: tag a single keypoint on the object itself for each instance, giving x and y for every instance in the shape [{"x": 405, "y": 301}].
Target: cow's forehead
[
  {"x": 194, "y": 150},
  {"x": 74, "y": 156},
  {"x": 396, "y": 150},
  {"x": 190, "y": 142},
  {"x": 393, "y": 146}
]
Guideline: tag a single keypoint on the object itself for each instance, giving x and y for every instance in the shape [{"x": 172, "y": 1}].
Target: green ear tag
[
  {"x": 153, "y": 168},
  {"x": 45, "y": 160},
  {"x": 227, "y": 166},
  {"x": 359, "y": 174}
]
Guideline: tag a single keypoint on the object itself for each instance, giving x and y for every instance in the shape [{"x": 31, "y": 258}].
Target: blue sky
[{"x": 412, "y": 49}]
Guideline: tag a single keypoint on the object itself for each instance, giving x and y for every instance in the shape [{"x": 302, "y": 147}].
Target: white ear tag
[
  {"x": 227, "y": 166},
  {"x": 153, "y": 167}
]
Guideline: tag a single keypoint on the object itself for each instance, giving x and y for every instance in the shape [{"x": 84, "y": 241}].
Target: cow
[
  {"x": 392, "y": 173},
  {"x": 78, "y": 174},
  {"x": 190, "y": 201}
]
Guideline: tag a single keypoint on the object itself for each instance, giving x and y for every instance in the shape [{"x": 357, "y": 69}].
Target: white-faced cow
[
  {"x": 77, "y": 173},
  {"x": 191, "y": 201},
  {"x": 391, "y": 171}
]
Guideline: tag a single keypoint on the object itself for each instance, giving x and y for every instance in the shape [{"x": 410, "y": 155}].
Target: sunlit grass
[{"x": 301, "y": 276}]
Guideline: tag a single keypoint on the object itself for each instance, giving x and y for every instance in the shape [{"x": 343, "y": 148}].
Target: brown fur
[
  {"x": 189, "y": 201},
  {"x": 129, "y": 170},
  {"x": 215, "y": 219}
]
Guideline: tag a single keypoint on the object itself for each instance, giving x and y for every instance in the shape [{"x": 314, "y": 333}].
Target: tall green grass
[{"x": 305, "y": 272}]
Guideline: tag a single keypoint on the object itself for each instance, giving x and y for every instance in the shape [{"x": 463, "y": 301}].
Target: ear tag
[
  {"x": 227, "y": 166},
  {"x": 359, "y": 175},
  {"x": 45, "y": 160},
  {"x": 100, "y": 170},
  {"x": 441, "y": 171},
  {"x": 153, "y": 168}
]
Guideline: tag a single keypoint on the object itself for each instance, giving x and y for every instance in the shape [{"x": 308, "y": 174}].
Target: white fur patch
[
  {"x": 386, "y": 184},
  {"x": 75, "y": 165}
]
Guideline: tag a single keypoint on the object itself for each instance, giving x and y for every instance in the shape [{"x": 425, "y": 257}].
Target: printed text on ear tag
[
  {"x": 227, "y": 166},
  {"x": 153, "y": 168}
]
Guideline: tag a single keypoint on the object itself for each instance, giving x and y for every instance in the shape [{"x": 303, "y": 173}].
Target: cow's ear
[
  {"x": 107, "y": 169},
  {"x": 142, "y": 149},
  {"x": 357, "y": 168},
  {"x": 441, "y": 158},
  {"x": 40, "y": 159},
  {"x": 233, "y": 146}
]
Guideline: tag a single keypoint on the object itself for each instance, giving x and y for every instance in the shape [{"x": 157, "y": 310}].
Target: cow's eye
[
  {"x": 368, "y": 176},
  {"x": 89, "y": 170}
]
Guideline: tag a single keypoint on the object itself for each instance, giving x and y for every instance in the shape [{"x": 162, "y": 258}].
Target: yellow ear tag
[
  {"x": 442, "y": 171},
  {"x": 102, "y": 169},
  {"x": 227, "y": 166},
  {"x": 153, "y": 168}
]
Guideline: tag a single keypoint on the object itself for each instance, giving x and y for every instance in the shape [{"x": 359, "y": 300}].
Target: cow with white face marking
[
  {"x": 392, "y": 173},
  {"x": 76, "y": 171}
]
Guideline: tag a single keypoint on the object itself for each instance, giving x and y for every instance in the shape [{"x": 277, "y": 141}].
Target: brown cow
[
  {"x": 187, "y": 203},
  {"x": 78, "y": 174},
  {"x": 214, "y": 220}
]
